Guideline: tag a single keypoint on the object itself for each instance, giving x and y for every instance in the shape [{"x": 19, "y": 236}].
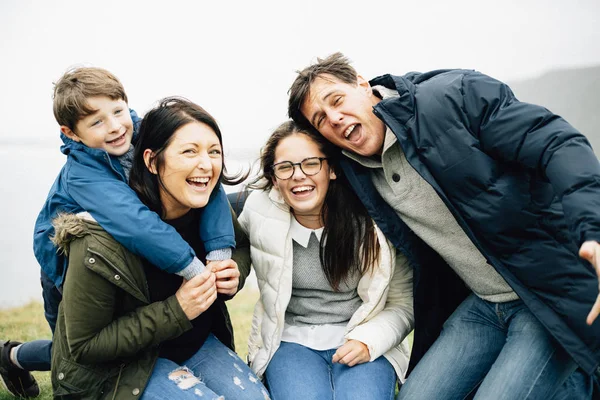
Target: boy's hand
[
  {"x": 197, "y": 295},
  {"x": 228, "y": 276},
  {"x": 590, "y": 251},
  {"x": 351, "y": 353}
]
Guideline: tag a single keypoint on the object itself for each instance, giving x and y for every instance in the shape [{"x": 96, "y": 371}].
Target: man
[{"x": 506, "y": 194}]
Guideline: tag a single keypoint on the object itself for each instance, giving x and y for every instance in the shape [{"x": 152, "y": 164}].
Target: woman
[
  {"x": 127, "y": 329},
  {"x": 335, "y": 299}
]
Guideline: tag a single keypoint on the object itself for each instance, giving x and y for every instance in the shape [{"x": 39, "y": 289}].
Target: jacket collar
[
  {"x": 276, "y": 197},
  {"x": 401, "y": 108},
  {"x": 71, "y": 145}
]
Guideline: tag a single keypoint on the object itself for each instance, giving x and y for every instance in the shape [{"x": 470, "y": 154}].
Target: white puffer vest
[{"x": 383, "y": 320}]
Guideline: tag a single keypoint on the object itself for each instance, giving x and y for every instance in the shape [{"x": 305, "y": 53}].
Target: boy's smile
[{"x": 109, "y": 127}]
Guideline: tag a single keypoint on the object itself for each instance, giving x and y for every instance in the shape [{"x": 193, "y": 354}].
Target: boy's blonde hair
[{"x": 77, "y": 85}]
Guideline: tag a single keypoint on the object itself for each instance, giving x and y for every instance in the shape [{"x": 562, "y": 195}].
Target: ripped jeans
[{"x": 214, "y": 372}]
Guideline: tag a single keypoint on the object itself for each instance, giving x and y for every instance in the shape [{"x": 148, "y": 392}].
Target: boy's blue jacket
[
  {"x": 91, "y": 180},
  {"x": 522, "y": 183}
]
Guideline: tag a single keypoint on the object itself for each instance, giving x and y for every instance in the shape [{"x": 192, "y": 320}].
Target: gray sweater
[
  {"x": 419, "y": 206},
  {"x": 313, "y": 301}
]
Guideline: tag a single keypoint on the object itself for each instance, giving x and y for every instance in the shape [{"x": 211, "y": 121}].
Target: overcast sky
[{"x": 237, "y": 59}]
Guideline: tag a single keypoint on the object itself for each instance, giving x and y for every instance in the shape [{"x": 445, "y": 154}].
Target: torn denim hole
[
  {"x": 265, "y": 394},
  {"x": 238, "y": 382},
  {"x": 232, "y": 354},
  {"x": 200, "y": 393},
  {"x": 184, "y": 378},
  {"x": 252, "y": 378}
]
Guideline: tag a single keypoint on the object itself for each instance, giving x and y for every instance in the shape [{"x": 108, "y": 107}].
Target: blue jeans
[
  {"x": 298, "y": 372},
  {"x": 491, "y": 350},
  {"x": 214, "y": 372},
  {"x": 36, "y": 355},
  {"x": 52, "y": 298}
]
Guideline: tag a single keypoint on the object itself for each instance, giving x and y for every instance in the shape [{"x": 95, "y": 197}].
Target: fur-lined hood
[{"x": 69, "y": 227}]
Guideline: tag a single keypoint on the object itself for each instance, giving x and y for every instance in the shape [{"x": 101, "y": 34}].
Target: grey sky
[{"x": 237, "y": 59}]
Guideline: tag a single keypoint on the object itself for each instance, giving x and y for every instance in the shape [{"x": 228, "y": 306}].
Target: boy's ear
[
  {"x": 69, "y": 133},
  {"x": 149, "y": 161}
]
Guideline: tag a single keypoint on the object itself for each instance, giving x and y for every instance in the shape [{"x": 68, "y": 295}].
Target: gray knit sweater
[
  {"x": 313, "y": 301},
  {"x": 419, "y": 206}
]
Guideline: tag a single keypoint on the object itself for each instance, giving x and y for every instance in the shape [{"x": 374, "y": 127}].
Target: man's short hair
[
  {"x": 76, "y": 86},
  {"x": 336, "y": 65}
]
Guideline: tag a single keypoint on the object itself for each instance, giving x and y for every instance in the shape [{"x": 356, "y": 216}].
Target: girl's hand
[
  {"x": 352, "y": 353},
  {"x": 197, "y": 295},
  {"x": 228, "y": 276}
]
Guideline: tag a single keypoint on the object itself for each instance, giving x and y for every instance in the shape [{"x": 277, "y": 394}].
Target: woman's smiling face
[
  {"x": 304, "y": 194},
  {"x": 192, "y": 164}
]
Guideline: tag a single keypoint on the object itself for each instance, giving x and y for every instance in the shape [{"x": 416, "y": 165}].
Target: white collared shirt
[{"x": 301, "y": 234}]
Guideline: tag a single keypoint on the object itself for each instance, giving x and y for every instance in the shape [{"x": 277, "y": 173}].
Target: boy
[{"x": 98, "y": 131}]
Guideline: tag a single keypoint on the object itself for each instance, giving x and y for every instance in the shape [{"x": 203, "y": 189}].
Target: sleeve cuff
[
  {"x": 219, "y": 254},
  {"x": 194, "y": 268}
]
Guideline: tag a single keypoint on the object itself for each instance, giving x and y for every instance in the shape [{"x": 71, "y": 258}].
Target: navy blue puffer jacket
[{"x": 522, "y": 183}]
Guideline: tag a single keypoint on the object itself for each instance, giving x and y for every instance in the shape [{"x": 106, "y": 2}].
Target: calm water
[{"x": 27, "y": 174}]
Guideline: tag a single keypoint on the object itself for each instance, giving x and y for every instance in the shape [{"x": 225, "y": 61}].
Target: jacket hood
[
  {"x": 69, "y": 144},
  {"x": 67, "y": 227}
]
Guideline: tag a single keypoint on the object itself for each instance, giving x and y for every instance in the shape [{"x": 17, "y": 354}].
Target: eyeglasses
[{"x": 310, "y": 166}]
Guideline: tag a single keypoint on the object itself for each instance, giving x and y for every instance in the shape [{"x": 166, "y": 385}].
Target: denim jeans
[
  {"x": 214, "y": 372},
  {"x": 52, "y": 298},
  {"x": 298, "y": 372},
  {"x": 36, "y": 355},
  {"x": 495, "y": 350}
]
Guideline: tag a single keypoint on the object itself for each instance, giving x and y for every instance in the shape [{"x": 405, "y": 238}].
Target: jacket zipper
[{"x": 118, "y": 380}]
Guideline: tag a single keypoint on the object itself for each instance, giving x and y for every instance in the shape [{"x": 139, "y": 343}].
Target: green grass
[{"x": 28, "y": 323}]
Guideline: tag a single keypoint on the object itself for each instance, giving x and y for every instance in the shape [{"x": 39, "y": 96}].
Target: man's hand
[
  {"x": 590, "y": 251},
  {"x": 228, "y": 276},
  {"x": 352, "y": 353}
]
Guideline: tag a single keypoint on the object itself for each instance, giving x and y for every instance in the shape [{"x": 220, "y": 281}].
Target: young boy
[{"x": 99, "y": 131}]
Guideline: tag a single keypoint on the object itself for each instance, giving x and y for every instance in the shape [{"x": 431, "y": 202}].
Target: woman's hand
[
  {"x": 352, "y": 353},
  {"x": 197, "y": 295},
  {"x": 228, "y": 276}
]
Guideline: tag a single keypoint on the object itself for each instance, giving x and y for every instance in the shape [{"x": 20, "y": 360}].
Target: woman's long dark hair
[
  {"x": 156, "y": 132},
  {"x": 349, "y": 241}
]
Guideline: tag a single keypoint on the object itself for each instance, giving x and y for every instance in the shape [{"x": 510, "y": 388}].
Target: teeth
[
  {"x": 114, "y": 140},
  {"x": 199, "y": 180},
  {"x": 349, "y": 130},
  {"x": 302, "y": 189}
]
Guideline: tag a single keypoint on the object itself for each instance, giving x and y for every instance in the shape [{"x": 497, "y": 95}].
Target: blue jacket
[
  {"x": 94, "y": 181},
  {"x": 522, "y": 183}
]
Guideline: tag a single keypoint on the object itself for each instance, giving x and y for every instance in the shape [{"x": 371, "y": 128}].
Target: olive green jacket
[{"x": 108, "y": 333}]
